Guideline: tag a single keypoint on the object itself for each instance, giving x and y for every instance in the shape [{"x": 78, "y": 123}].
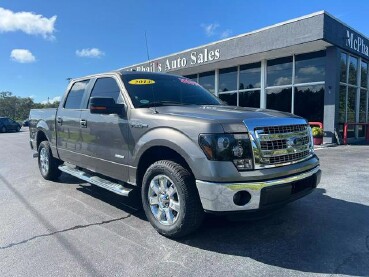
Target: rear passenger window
[
  {"x": 107, "y": 87},
  {"x": 75, "y": 95}
]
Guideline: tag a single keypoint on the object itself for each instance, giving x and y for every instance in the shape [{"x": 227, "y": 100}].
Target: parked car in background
[
  {"x": 7, "y": 124},
  {"x": 25, "y": 123}
]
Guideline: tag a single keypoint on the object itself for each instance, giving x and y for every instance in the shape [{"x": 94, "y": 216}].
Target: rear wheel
[
  {"x": 170, "y": 199},
  {"x": 3, "y": 129},
  {"x": 47, "y": 164}
]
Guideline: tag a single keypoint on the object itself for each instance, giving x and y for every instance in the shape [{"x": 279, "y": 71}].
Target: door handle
[
  {"x": 83, "y": 123},
  {"x": 59, "y": 120}
]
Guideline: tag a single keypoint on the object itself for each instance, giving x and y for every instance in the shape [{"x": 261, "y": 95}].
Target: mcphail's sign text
[{"x": 356, "y": 43}]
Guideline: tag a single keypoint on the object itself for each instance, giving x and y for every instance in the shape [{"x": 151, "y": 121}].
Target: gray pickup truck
[{"x": 181, "y": 146}]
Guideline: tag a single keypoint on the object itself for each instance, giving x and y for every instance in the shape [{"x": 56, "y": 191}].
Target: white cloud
[
  {"x": 22, "y": 56},
  {"x": 210, "y": 28},
  {"x": 90, "y": 53},
  {"x": 52, "y": 100},
  {"x": 27, "y": 22},
  {"x": 226, "y": 33}
]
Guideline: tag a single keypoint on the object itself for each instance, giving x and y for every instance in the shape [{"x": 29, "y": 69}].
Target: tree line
[{"x": 18, "y": 108}]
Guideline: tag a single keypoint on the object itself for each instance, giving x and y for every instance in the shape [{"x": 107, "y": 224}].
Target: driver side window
[{"x": 107, "y": 87}]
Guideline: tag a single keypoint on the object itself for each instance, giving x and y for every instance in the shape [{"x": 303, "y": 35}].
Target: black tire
[
  {"x": 3, "y": 129},
  {"x": 18, "y": 129},
  {"x": 50, "y": 172},
  {"x": 190, "y": 214}
]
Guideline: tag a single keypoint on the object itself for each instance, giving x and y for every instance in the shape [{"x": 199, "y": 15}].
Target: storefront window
[
  {"x": 279, "y": 72},
  {"x": 342, "y": 105},
  {"x": 309, "y": 102},
  {"x": 364, "y": 74},
  {"x": 343, "y": 68},
  {"x": 362, "y": 108},
  {"x": 353, "y": 71},
  {"x": 250, "y": 99},
  {"x": 310, "y": 67},
  {"x": 228, "y": 79},
  {"x": 229, "y": 98},
  {"x": 250, "y": 76},
  {"x": 207, "y": 80},
  {"x": 351, "y": 104},
  {"x": 279, "y": 99}
]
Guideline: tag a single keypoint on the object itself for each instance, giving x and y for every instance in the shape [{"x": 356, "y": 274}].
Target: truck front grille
[
  {"x": 283, "y": 144},
  {"x": 283, "y": 129}
]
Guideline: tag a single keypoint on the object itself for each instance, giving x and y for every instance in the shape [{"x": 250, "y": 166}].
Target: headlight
[
  {"x": 228, "y": 147},
  {"x": 311, "y": 139}
]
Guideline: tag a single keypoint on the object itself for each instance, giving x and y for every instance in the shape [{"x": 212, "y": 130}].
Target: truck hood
[{"x": 222, "y": 114}]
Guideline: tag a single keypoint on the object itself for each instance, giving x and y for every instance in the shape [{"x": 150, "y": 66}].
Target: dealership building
[{"x": 314, "y": 66}]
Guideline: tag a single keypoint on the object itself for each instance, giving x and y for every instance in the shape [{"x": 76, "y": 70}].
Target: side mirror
[{"x": 105, "y": 105}]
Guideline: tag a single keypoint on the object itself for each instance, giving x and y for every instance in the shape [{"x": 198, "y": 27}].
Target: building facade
[{"x": 313, "y": 66}]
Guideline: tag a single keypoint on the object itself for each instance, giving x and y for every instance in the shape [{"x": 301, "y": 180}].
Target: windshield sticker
[
  {"x": 141, "y": 82},
  {"x": 188, "y": 82}
]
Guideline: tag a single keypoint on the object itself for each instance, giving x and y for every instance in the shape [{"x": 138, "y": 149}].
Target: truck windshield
[{"x": 149, "y": 90}]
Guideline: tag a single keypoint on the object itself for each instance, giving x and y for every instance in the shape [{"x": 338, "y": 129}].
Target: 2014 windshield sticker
[
  {"x": 141, "y": 82},
  {"x": 188, "y": 82}
]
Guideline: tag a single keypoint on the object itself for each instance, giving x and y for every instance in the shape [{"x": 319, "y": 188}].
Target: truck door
[
  {"x": 104, "y": 136},
  {"x": 68, "y": 123}
]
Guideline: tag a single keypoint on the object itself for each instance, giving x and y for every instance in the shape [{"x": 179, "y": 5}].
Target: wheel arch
[{"x": 157, "y": 153}]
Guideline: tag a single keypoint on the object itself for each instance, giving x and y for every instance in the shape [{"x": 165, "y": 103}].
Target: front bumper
[{"x": 219, "y": 197}]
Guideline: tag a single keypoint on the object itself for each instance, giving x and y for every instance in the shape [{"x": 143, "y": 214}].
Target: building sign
[
  {"x": 357, "y": 43},
  {"x": 195, "y": 57}
]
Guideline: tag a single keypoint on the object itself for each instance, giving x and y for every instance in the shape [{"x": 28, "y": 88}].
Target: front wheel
[
  {"x": 170, "y": 199},
  {"x": 47, "y": 164},
  {"x": 18, "y": 129}
]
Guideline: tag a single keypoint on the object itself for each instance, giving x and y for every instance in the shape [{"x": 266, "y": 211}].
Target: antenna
[
  {"x": 148, "y": 60},
  {"x": 147, "y": 49}
]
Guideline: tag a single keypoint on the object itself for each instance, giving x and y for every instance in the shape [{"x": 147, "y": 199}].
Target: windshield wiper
[{"x": 162, "y": 103}]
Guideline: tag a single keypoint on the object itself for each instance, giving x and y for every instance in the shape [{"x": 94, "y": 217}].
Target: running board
[{"x": 95, "y": 180}]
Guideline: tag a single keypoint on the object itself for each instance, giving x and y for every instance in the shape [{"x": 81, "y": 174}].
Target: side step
[{"x": 95, "y": 180}]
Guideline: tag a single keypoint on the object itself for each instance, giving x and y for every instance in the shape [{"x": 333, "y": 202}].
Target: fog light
[
  {"x": 243, "y": 164},
  {"x": 241, "y": 198}
]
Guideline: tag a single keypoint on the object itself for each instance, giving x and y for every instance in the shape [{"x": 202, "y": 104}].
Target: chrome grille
[
  {"x": 288, "y": 158},
  {"x": 283, "y": 144},
  {"x": 283, "y": 129}
]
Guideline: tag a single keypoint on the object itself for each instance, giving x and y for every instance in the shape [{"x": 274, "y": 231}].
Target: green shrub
[{"x": 317, "y": 132}]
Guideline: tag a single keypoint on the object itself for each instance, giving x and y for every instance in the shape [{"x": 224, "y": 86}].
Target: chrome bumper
[{"x": 218, "y": 197}]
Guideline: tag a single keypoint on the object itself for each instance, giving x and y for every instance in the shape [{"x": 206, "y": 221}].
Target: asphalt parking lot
[{"x": 70, "y": 228}]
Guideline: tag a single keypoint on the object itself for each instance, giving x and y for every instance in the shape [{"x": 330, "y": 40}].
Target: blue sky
[{"x": 42, "y": 43}]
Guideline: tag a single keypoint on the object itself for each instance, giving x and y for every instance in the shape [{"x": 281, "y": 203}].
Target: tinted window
[
  {"x": 75, "y": 95},
  {"x": 250, "y": 76},
  {"x": 146, "y": 90},
  {"x": 364, "y": 74},
  {"x": 107, "y": 87},
  {"x": 207, "y": 80},
  {"x": 362, "y": 106},
  {"x": 343, "y": 74},
  {"x": 342, "y": 105},
  {"x": 228, "y": 79},
  {"x": 279, "y": 72},
  {"x": 310, "y": 67},
  {"x": 229, "y": 98},
  {"x": 279, "y": 99},
  {"x": 250, "y": 99},
  {"x": 351, "y": 104},
  {"x": 353, "y": 63},
  {"x": 309, "y": 102}
]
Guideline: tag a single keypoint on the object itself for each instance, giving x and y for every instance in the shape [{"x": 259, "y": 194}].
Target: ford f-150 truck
[{"x": 181, "y": 146}]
